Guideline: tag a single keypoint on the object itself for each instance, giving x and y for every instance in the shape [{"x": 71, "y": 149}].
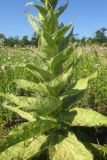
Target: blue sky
[{"x": 90, "y": 15}]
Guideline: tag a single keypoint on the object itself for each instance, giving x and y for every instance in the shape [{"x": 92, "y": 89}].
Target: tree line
[
  {"x": 99, "y": 38},
  {"x": 16, "y": 41}
]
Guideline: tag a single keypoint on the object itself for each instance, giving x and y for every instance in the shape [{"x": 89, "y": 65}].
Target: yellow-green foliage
[{"x": 46, "y": 106}]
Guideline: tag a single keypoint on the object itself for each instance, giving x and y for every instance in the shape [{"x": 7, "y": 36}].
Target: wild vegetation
[{"x": 44, "y": 86}]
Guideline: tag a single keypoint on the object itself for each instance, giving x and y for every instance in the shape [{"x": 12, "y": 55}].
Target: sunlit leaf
[
  {"x": 40, "y": 106},
  {"x": 28, "y": 116},
  {"x": 51, "y": 22},
  {"x": 83, "y": 83},
  {"x": 24, "y": 150},
  {"x": 60, "y": 58},
  {"x": 46, "y": 46},
  {"x": 25, "y": 131},
  {"x": 60, "y": 33},
  {"x": 68, "y": 148},
  {"x": 84, "y": 118},
  {"x": 45, "y": 75},
  {"x": 41, "y": 9},
  {"x": 61, "y": 9},
  {"x": 32, "y": 22},
  {"x": 57, "y": 85},
  {"x": 32, "y": 87}
]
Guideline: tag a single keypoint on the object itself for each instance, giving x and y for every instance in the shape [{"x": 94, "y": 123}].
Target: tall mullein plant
[{"x": 50, "y": 119}]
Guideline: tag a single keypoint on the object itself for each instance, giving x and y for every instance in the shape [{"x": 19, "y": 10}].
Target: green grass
[{"x": 12, "y": 62}]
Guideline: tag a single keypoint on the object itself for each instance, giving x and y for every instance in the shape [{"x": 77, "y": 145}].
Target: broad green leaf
[
  {"x": 40, "y": 106},
  {"x": 44, "y": 106},
  {"x": 71, "y": 98},
  {"x": 24, "y": 150},
  {"x": 47, "y": 4},
  {"x": 83, "y": 82},
  {"x": 28, "y": 116},
  {"x": 50, "y": 4},
  {"x": 36, "y": 77},
  {"x": 57, "y": 85},
  {"x": 68, "y": 148},
  {"x": 51, "y": 22},
  {"x": 84, "y": 118},
  {"x": 73, "y": 61},
  {"x": 25, "y": 131},
  {"x": 60, "y": 33},
  {"x": 32, "y": 87},
  {"x": 41, "y": 9},
  {"x": 45, "y": 75},
  {"x": 60, "y": 58},
  {"x": 99, "y": 151},
  {"x": 73, "y": 94},
  {"x": 60, "y": 10},
  {"x": 46, "y": 46},
  {"x": 66, "y": 41},
  {"x": 32, "y": 22}
]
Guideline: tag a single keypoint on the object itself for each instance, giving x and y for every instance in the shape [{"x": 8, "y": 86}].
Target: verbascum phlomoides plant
[{"x": 49, "y": 117}]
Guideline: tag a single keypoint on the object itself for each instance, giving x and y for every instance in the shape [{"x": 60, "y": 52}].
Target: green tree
[
  {"x": 34, "y": 40},
  {"x": 101, "y": 35},
  {"x": 24, "y": 41},
  {"x": 83, "y": 41},
  {"x": 12, "y": 41},
  {"x": 2, "y": 36}
]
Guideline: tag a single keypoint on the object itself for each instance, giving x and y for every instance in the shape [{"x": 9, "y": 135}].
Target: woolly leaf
[
  {"x": 41, "y": 9},
  {"x": 57, "y": 85},
  {"x": 39, "y": 106},
  {"x": 60, "y": 33},
  {"x": 68, "y": 148},
  {"x": 25, "y": 131},
  {"x": 32, "y": 87},
  {"x": 60, "y": 58},
  {"x": 83, "y": 82},
  {"x": 84, "y": 117},
  {"x": 51, "y": 22},
  {"x": 66, "y": 41},
  {"x": 45, "y": 75},
  {"x": 73, "y": 94},
  {"x": 60, "y": 10},
  {"x": 28, "y": 116},
  {"x": 25, "y": 150},
  {"x": 46, "y": 46},
  {"x": 32, "y": 22}
]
